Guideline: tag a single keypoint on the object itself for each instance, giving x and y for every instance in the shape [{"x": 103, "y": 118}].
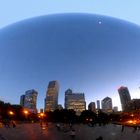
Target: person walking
[
  {"x": 13, "y": 123},
  {"x": 122, "y": 128},
  {"x": 72, "y": 134}
]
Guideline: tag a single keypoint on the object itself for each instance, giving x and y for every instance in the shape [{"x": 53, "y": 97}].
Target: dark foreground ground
[{"x": 83, "y": 132}]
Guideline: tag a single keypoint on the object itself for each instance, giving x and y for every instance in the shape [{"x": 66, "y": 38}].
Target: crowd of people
[{"x": 8, "y": 123}]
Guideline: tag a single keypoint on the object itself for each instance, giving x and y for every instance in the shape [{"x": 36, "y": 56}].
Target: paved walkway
[{"x": 83, "y": 132}]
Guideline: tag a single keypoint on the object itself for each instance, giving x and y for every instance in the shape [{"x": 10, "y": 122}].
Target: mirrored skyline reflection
[{"x": 88, "y": 53}]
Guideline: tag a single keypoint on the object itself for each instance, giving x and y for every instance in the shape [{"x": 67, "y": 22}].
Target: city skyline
[
  {"x": 22, "y": 68},
  {"x": 105, "y": 102},
  {"x": 70, "y": 98},
  {"x": 99, "y": 103}
]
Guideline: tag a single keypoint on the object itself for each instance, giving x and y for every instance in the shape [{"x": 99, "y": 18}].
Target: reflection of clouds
[
  {"x": 100, "y": 22},
  {"x": 3, "y": 99},
  {"x": 135, "y": 94}
]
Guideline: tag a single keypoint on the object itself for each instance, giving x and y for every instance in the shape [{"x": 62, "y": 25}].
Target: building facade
[
  {"x": 22, "y": 99},
  {"x": 92, "y": 107},
  {"x": 124, "y": 97},
  {"x": 68, "y": 92},
  {"x": 51, "y": 100},
  {"x": 29, "y": 100},
  {"x": 98, "y": 104},
  {"x": 107, "y": 104},
  {"x": 75, "y": 101}
]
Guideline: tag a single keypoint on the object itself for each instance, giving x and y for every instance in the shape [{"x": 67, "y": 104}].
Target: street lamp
[
  {"x": 11, "y": 113},
  {"x": 26, "y": 112},
  {"x": 41, "y": 115}
]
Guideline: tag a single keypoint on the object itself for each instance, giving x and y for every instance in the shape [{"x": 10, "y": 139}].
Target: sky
[{"x": 15, "y": 10}]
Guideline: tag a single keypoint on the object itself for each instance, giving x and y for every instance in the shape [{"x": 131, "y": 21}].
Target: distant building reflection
[
  {"x": 51, "y": 100},
  {"x": 75, "y": 101},
  {"x": 29, "y": 100}
]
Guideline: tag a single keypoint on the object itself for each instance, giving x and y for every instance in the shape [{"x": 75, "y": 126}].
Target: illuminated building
[
  {"x": 68, "y": 92},
  {"x": 30, "y": 100},
  {"x": 98, "y": 104},
  {"x": 91, "y": 106},
  {"x": 51, "y": 100},
  {"x": 75, "y": 101},
  {"x": 124, "y": 97},
  {"x": 107, "y": 104}
]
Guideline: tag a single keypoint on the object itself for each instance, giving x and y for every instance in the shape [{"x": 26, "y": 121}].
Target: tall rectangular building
[
  {"x": 29, "y": 100},
  {"x": 98, "y": 104},
  {"x": 75, "y": 101},
  {"x": 51, "y": 100},
  {"x": 124, "y": 97},
  {"x": 107, "y": 104},
  {"x": 22, "y": 98},
  {"x": 68, "y": 92},
  {"x": 92, "y": 107}
]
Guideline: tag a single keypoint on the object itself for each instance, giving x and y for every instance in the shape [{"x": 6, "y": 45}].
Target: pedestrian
[
  {"x": 6, "y": 123},
  {"x": 58, "y": 126},
  {"x": 72, "y": 134},
  {"x": 41, "y": 124},
  {"x": 13, "y": 123},
  {"x": 135, "y": 128},
  {"x": 122, "y": 128},
  {"x": 70, "y": 125}
]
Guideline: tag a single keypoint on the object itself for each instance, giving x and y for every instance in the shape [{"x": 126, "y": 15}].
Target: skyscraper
[
  {"x": 98, "y": 104},
  {"x": 30, "y": 100},
  {"x": 22, "y": 98},
  {"x": 51, "y": 100},
  {"x": 92, "y": 107},
  {"x": 67, "y": 93},
  {"x": 124, "y": 97},
  {"x": 107, "y": 104},
  {"x": 75, "y": 101}
]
